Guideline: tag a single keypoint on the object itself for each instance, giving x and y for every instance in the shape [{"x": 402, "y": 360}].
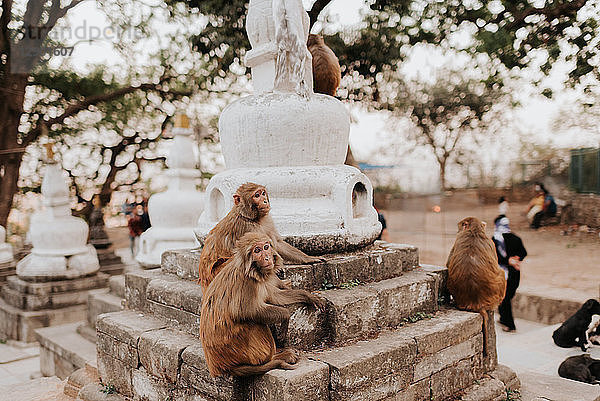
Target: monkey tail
[{"x": 484, "y": 316}]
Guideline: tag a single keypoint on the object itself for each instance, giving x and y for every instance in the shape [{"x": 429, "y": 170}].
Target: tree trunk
[
  {"x": 442, "y": 174},
  {"x": 11, "y": 151}
]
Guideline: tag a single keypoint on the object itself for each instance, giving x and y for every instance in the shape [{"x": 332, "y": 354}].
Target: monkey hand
[
  {"x": 288, "y": 355},
  {"x": 287, "y": 366},
  {"x": 285, "y": 284}
]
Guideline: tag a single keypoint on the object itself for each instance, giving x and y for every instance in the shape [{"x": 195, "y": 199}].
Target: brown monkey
[
  {"x": 238, "y": 306},
  {"x": 475, "y": 280},
  {"x": 326, "y": 67},
  {"x": 249, "y": 213},
  {"x": 327, "y": 75}
]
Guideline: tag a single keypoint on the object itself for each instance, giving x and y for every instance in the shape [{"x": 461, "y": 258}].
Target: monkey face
[
  {"x": 262, "y": 256},
  {"x": 260, "y": 200}
]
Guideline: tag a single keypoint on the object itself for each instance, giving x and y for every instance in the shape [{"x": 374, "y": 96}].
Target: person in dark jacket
[{"x": 510, "y": 252}]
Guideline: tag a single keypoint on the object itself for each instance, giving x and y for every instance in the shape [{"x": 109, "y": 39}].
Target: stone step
[
  {"x": 377, "y": 262},
  {"x": 434, "y": 358},
  {"x": 102, "y": 301},
  {"x": 351, "y": 313},
  {"x": 117, "y": 285},
  {"x": 31, "y": 296},
  {"x": 63, "y": 350}
]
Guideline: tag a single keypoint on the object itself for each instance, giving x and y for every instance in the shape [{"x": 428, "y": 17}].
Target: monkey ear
[
  {"x": 484, "y": 224},
  {"x": 236, "y": 199}
]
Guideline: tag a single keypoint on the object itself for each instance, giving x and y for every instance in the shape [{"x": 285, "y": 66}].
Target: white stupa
[
  {"x": 60, "y": 249},
  {"x": 291, "y": 140},
  {"x": 6, "y": 251},
  {"x": 173, "y": 213}
]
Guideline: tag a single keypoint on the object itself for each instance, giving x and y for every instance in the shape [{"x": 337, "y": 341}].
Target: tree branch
[
  {"x": 90, "y": 101},
  {"x": 316, "y": 9}
]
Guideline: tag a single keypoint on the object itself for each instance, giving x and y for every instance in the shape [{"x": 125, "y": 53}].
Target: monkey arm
[
  {"x": 290, "y": 297},
  {"x": 269, "y": 314},
  {"x": 292, "y": 254}
]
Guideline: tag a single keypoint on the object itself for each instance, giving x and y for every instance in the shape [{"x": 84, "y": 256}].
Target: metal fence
[{"x": 584, "y": 170}]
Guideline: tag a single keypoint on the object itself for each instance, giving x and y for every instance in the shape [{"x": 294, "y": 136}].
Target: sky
[{"x": 534, "y": 116}]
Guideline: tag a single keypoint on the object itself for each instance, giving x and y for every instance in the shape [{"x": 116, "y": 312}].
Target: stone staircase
[
  {"x": 384, "y": 335},
  {"x": 66, "y": 348}
]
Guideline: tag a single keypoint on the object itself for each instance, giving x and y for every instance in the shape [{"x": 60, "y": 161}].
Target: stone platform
[
  {"x": 7, "y": 269},
  {"x": 384, "y": 335},
  {"x": 26, "y": 306},
  {"x": 68, "y": 347},
  {"x": 109, "y": 262}
]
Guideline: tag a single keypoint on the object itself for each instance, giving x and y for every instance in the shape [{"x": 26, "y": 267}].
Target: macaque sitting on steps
[{"x": 249, "y": 213}]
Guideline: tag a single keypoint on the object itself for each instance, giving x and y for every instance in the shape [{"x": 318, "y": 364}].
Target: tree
[
  {"x": 447, "y": 113},
  {"x": 38, "y": 101},
  {"x": 514, "y": 34}
]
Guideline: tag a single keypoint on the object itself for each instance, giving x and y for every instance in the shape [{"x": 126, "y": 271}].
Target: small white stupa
[
  {"x": 174, "y": 212},
  {"x": 60, "y": 249},
  {"x": 6, "y": 251},
  {"x": 291, "y": 140}
]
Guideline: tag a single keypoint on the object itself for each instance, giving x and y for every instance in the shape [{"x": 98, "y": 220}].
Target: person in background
[
  {"x": 383, "y": 235},
  {"x": 145, "y": 216},
  {"x": 134, "y": 223},
  {"x": 510, "y": 252},
  {"x": 548, "y": 207},
  {"x": 536, "y": 205}
]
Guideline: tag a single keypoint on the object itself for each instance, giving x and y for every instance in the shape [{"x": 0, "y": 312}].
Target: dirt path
[{"x": 566, "y": 266}]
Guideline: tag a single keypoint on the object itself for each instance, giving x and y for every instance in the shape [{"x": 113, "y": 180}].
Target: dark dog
[
  {"x": 582, "y": 368},
  {"x": 572, "y": 333}
]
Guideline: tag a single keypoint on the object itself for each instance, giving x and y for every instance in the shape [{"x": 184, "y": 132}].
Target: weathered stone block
[
  {"x": 59, "y": 286},
  {"x": 115, "y": 372},
  {"x": 182, "y": 262},
  {"x": 93, "y": 392},
  {"x": 450, "y": 327},
  {"x": 419, "y": 391},
  {"x": 135, "y": 287},
  {"x": 189, "y": 322},
  {"x": 160, "y": 352},
  {"x": 194, "y": 376},
  {"x": 117, "y": 285},
  {"x": 442, "y": 359},
  {"x": 485, "y": 389},
  {"x": 120, "y": 350},
  {"x": 374, "y": 263},
  {"x": 451, "y": 380},
  {"x": 169, "y": 290},
  {"x": 382, "y": 366},
  {"x": 507, "y": 376},
  {"x": 149, "y": 388},
  {"x": 127, "y": 326},
  {"x": 308, "y": 382},
  {"x": 99, "y": 302},
  {"x": 20, "y": 325},
  {"x": 367, "y": 309}
]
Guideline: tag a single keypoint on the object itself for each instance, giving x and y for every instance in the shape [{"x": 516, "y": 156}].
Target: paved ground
[{"x": 531, "y": 353}]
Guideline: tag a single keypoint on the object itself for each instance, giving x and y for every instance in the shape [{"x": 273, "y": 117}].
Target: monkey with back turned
[{"x": 475, "y": 280}]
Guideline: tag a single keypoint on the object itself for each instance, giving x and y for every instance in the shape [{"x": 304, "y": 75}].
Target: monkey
[
  {"x": 475, "y": 280},
  {"x": 327, "y": 73},
  {"x": 240, "y": 303},
  {"x": 249, "y": 213}
]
